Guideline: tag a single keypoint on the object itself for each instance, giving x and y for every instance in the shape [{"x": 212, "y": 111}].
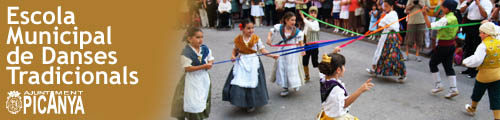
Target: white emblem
[{"x": 14, "y": 103}]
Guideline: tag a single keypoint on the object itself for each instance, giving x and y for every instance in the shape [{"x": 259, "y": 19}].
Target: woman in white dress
[{"x": 289, "y": 70}]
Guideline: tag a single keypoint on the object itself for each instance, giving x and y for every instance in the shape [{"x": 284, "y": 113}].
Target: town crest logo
[{"x": 14, "y": 102}]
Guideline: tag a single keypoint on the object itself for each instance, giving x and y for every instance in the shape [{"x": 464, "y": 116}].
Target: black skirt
[{"x": 246, "y": 97}]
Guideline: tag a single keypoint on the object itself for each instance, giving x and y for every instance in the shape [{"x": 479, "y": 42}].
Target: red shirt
[{"x": 353, "y": 6}]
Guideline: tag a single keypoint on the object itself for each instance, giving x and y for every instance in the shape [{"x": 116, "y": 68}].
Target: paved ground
[{"x": 387, "y": 101}]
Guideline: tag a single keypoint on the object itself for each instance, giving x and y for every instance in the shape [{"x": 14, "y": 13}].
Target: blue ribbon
[{"x": 297, "y": 49}]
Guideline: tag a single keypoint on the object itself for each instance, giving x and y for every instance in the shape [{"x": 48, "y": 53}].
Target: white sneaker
[
  {"x": 437, "y": 88},
  {"x": 284, "y": 93},
  {"x": 405, "y": 57},
  {"x": 251, "y": 109},
  {"x": 419, "y": 59},
  {"x": 402, "y": 79},
  {"x": 297, "y": 89},
  {"x": 471, "y": 111},
  {"x": 451, "y": 94},
  {"x": 370, "y": 71},
  {"x": 336, "y": 30}
]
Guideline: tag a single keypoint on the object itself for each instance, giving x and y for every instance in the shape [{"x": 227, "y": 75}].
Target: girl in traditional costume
[
  {"x": 388, "y": 59},
  {"x": 335, "y": 101},
  {"x": 246, "y": 83},
  {"x": 192, "y": 96},
  {"x": 289, "y": 72}
]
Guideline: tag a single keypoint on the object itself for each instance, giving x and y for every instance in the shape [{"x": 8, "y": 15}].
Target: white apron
[{"x": 245, "y": 71}]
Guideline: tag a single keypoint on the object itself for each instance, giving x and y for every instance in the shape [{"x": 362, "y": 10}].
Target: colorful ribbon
[{"x": 297, "y": 49}]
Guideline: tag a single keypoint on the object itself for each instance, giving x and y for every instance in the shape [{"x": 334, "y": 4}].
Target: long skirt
[
  {"x": 347, "y": 116},
  {"x": 177, "y": 110},
  {"x": 391, "y": 61},
  {"x": 246, "y": 97}
]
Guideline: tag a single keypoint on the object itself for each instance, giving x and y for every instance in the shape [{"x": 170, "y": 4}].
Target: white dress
[
  {"x": 288, "y": 73},
  {"x": 344, "y": 11},
  {"x": 257, "y": 11},
  {"x": 245, "y": 70},
  {"x": 197, "y": 85}
]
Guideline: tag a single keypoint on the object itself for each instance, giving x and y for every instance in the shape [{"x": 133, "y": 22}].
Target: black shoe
[
  {"x": 471, "y": 76},
  {"x": 465, "y": 72}
]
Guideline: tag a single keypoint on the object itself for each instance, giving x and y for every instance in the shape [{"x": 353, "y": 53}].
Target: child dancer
[
  {"x": 388, "y": 60},
  {"x": 487, "y": 60},
  {"x": 246, "y": 84},
  {"x": 312, "y": 35},
  {"x": 373, "y": 20},
  {"x": 445, "y": 49},
  {"x": 336, "y": 14},
  {"x": 192, "y": 96},
  {"x": 335, "y": 101},
  {"x": 288, "y": 68}
]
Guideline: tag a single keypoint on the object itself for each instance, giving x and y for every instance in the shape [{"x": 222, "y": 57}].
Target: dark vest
[
  {"x": 327, "y": 87},
  {"x": 191, "y": 54}
]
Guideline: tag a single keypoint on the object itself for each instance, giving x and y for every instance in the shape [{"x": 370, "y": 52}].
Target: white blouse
[
  {"x": 186, "y": 62},
  {"x": 312, "y": 25},
  {"x": 389, "y": 18},
  {"x": 477, "y": 59},
  {"x": 256, "y": 47},
  {"x": 473, "y": 9},
  {"x": 224, "y": 6},
  {"x": 334, "y": 104},
  {"x": 299, "y": 37},
  {"x": 290, "y": 5}
]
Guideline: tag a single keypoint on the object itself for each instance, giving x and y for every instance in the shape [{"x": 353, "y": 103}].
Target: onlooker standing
[
  {"x": 400, "y": 9},
  {"x": 235, "y": 8},
  {"x": 245, "y": 6},
  {"x": 257, "y": 11},
  {"x": 354, "y": 19},
  {"x": 415, "y": 23},
  {"x": 476, "y": 11},
  {"x": 300, "y": 5},
  {"x": 224, "y": 13},
  {"x": 325, "y": 10},
  {"x": 344, "y": 14},
  {"x": 336, "y": 14},
  {"x": 280, "y": 10},
  {"x": 289, "y": 6},
  {"x": 212, "y": 12},
  {"x": 203, "y": 13},
  {"x": 270, "y": 12}
]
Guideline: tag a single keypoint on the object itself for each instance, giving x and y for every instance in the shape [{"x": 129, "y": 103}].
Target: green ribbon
[
  {"x": 434, "y": 28},
  {"x": 330, "y": 24}
]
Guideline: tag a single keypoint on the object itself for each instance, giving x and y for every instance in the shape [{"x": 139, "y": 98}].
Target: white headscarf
[{"x": 489, "y": 28}]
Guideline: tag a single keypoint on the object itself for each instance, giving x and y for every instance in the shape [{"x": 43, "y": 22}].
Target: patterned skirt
[{"x": 391, "y": 61}]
